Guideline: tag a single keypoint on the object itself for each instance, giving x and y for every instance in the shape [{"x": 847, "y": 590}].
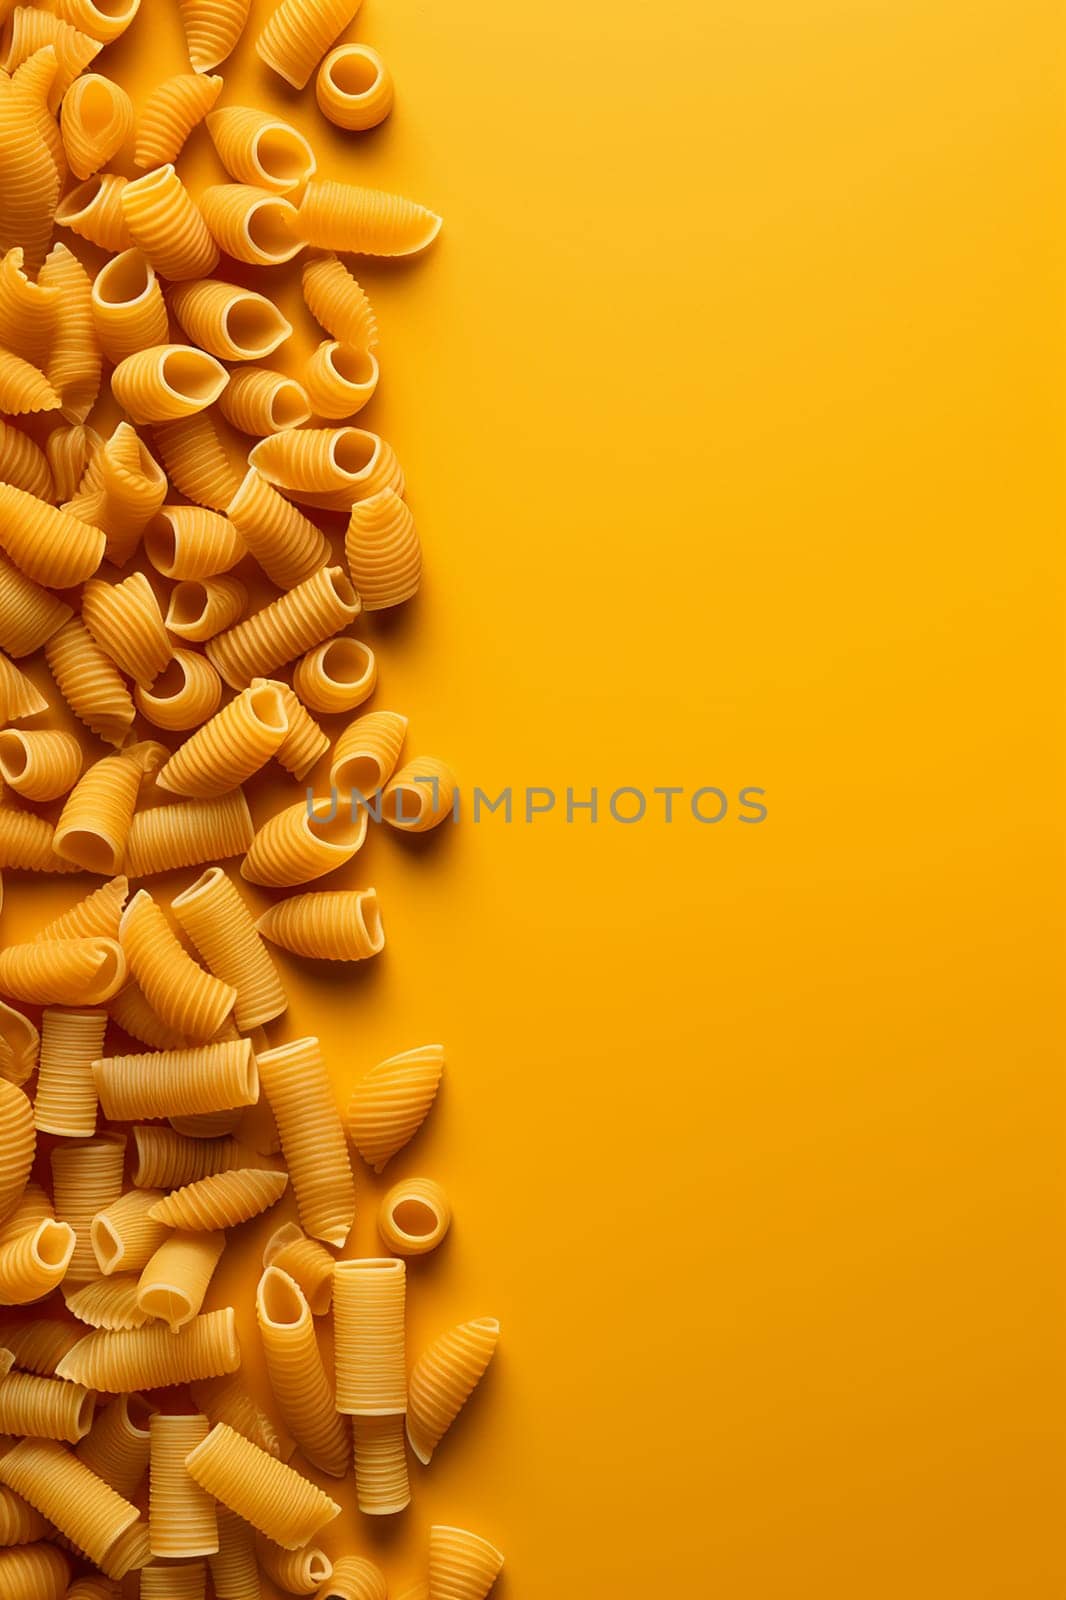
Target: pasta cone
[
  {"x": 366, "y": 222},
  {"x": 196, "y": 461},
  {"x": 366, "y": 753},
  {"x": 90, "y": 682},
  {"x": 443, "y": 1379},
  {"x": 128, "y": 309},
  {"x": 354, "y": 87},
  {"x": 212, "y": 29},
  {"x": 216, "y": 919},
  {"x": 23, "y": 463},
  {"x": 259, "y": 149},
  {"x": 19, "y": 1044},
  {"x": 97, "y": 915},
  {"x": 96, "y": 117},
  {"x": 165, "y": 224},
  {"x": 116, "y": 1447},
  {"x": 337, "y": 301},
  {"x": 179, "y": 991},
  {"x": 391, "y": 1103},
  {"x": 47, "y": 545},
  {"x": 288, "y": 547},
  {"x": 298, "y": 1378},
  {"x": 299, "y": 33},
  {"x": 309, "y": 614},
  {"x": 18, "y": 1142},
  {"x": 462, "y": 1566},
  {"x": 108, "y": 1303},
  {"x": 188, "y": 834},
  {"x": 341, "y": 926},
  {"x": 222, "y": 1201},
  {"x": 63, "y": 972},
  {"x": 95, "y": 821},
  {"x": 177, "y": 1083},
  {"x": 251, "y": 224},
  {"x": 192, "y": 542},
  {"x": 258, "y": 1488},
  {"x": 74, "y": 361},
  {"x": 229, "y": 748},
  {"x": 169, "y": 115},
  {"x": 383, "y": 551},
  {"x": 354, "y": 1578},
  {"x": 152, "y": 1357},
  {"x": 167, "y": 382},
  {"x": 94, "y": 211},
  {"x": 301, "y": 843}
]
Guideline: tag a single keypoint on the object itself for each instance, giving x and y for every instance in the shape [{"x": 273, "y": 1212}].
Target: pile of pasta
[{"x": 145, "y": 1114}]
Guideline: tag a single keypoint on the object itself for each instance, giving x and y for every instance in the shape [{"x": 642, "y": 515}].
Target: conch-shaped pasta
[
  {"x": 169, "y": 115},
  {"x": 94, "y": 212},
  {"x": 196, "y": 460},
  {"x": 125, "y": 620},
  {"x": 71, "y": 1040},
  {"x": 233, "y": 323},
  {"x": 227, "y": 1400},
  {"x": 192, "y": 542},
  {"x": 28, "y": 173},
  {"x": 125, "y": 1235},
  {"x": 313, "y": 611},
  {"x": 443, "y": 1379},
  {"x": 188, "y": 834},
  {"x": 296, "y": 1084},
  {"x": 46, "y": 544},
  {"x": 181, "y": 1517},
  {"x": 109, "y": 1303},
  {"x": 344, "y": 925},
  {"x": 99, "y": 913},
  {"x": 200, "y": 608},
  {"x": 340, "y": 379},
  {"x": 39, "y": 763},
  {"x": 29, "y": 615},
  {"x": 298, "y": 34},
  {"x": 164, "y": 1159},
  {"x": 128, "y": 309},
  {"x": 259, "y": 400},
  {"x": 104, "y": 22},
  {"x": 364, "y": 222},
  {"x": 355, "y": 1578},
  {"x": 414, "y": 1216},
  {"x": 32, "y": 31},
  {"x": 23, "y": 388},
  {"x": 420, "y": 796},
  {"x": 366, "y": 753},
  {"x": 19, "y": 1045},
  {"x": 174, "y": 1282},
  {"x": 298, "y": 1379},
  {"x": 164, "y": 222},
  {"x": 69, "y": 451},
  {"x": 354, "y": 87},
  {"x": 177, "y": 1083},
  {"x": 90, "y": 682},
  {"x": 215, "y": 917},
  {"x": 152, "y": 1357},
  {"x": 305, "y": 743},
  {"x": 212, "y": 29},
  {"x": 184, "y": 695},
  {"x": 228, "y": 749},
  {"x": 383, "y": 550},
  {"x": 338, "y": 302},
  {"x": 330, "y": 468},
  {"x": 307, "y": 1262},
  {"x": 63, "y": 972},
  {"x": 132, "y": 487},
  {"x": 301, "y": 843},
  {"x": 168, "y": 381},
  {"x": 288, "y": 547},
  {"x": 133, "y": 1014},
  {"x": 74, "y": 363},
  {"x": 259, "y": 149},
  {"x": 381, "y": 1483},
  {"x": 336, "y": 676},
  {"x": 18, "y": 1142},
  {"x": 35, "y": 1251},
  {"x": 462, "y": 1565},
  {"x": 263, "y": 1491},
  {"x": 117, "y": 1445},
  {"x": 369, "y": 1298},
  {"x": 178, "y": 990},
  {"x": 301, "y": 1571},
  {"x": 95, "y": 119},
  {"x": 26, "y": 843},
  {"x": 71, "y": 1496},
  {"x": 222, "y": 1201},
  {"x": 27, "y": 313},
  {"x": 86, "y": 1177},
  {"x": 251, "y": 224},
  {"x": 392, "y": 1101},
  {"x": 24, "y": 463},
  {"x": 95, "y": 822}
]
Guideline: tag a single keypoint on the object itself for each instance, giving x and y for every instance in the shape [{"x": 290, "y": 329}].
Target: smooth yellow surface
[{"x": 731, "y": 405}]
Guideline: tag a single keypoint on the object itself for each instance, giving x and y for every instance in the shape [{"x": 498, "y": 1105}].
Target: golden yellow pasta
[
  {"x": 167, "y": 381},
  {"x": 216, "y": 919},
  {"x": 299, "y": 844},
  {"x": 196, "y": 460},
  {"x": 20, "y": 1524},
  {"x": 29, "y": 615},
  {"x": 234, "y": 1568},
  {"x": 39, "y": 764},
  {"x": 47, "y": 1408},
  {"x": 177, "y": 1083},
  {"x": 338, "y": 302},
  {"x": 135, "y": 1016},
  {"x": 344, "y": 925},
  {"x": 27, "y": 312},
  {"x": 125, "y": 620},
  {"x": 354, "y": 87},
  {"x": 94, "y": 211},
  {"x": 86, "y": 1177},
  {"x": 330, "y": 468},
  {"x": 381, "y": 1482},
  {"x": 307, "y": 1262},
  {"x": 186, "y": 1580},
  {"x": 117, "y": 1445},
  {"x": 365, "y": 222},
  {"x": 462, "y": 1565},
  {"x": 71, "y": 1040},
  {"x": 383, "y": 551},
  {"x": 71, "y": 1496},
  {"x": 259, "y": 149},
  {"x": 188, "y": 834},
  {"x": 95, "y": 1588},
  {"x": 95, "y": 821},
  {"x": 19, "y": 1044},
  {"x": 222, "y": 1201},
  {"x": 34, "y": 1257},
  {"x": 178, "y": 990},
  {"x": 366, "y": 754},
  {"x": 233, "y": 323},
  {"x": 288, "y": 547},
  {"x": 251, "y": 224},
  {"x": 170, "y": 113},
  {"x": 298, "y": 1380},
  {"x": 63, "y": 972},
  {"x": 96, "y": 118},
  {"x": 368, "y": 1320},
  {"x": 298, "y": 34},
  {"x": 164, "y": 1159},
  {"x": 391, "y": 1103},
  {"x": 233, "y": 745},
  {"x": 260, "y": 401},
  {"x": 265, "y": 1492},
  {"x": 109, "y": 1303},
  {"x": 128, "y": 309},
  {"x": 104, "y": 22},
  {"x": 181, "y": 1517},
  {"x": 89, "y": 681},
  {"x": 74, "y": 361},
  {"x": 184, "y": 695},
  {"x": 132, "y": 488},
  {"x": 213, "y": 1124},
  {"x": 40, "y": 1346},
  {"x": 212, "y": 29},
  {"x": 48, "y": 545},
  {"x": 354, "y": 1578},
  {"x": 414, "y": 1216},
  {"x": 164, "y": 222},
  {"x": 192, "y": 542},
  {"x": 336, "y": 676},
  {"x": 28, "y": 169},
  {"x": 300, "y": 1571},
  {"x": 125, "y": 1235},
  {"x": 26, "y": 843},
  {"x": 340, "y": 379},
  {"x": 152, "y": 1357},
  {"x": 305, "y": 743},
  {"x": 24, "y": 464},
  {"x": 69, "y": 449},
  {"x": 297, "y": 1086},
  {"x": 98, "y": 913},
  {"x": 174, "y": 1282},
  {"x": 226, "y": 1400},
  {"x": 420, "y": 796},
  {"x": 201, "y": 608},
  {"x": 313, "y": 611},
  {"x": 23, "y": 388},
  {"x": 18, "y": 1142},
  {"x": 34, "y": 1572}
]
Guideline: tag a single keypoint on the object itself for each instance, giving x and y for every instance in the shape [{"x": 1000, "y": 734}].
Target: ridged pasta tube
[
  {"x": 74, "y": 362},
  {"x": 298, "y": 1379},
  {"x": 135, "y": 1016},
  {"x": 251, "y": 224},
  {"x": 125, "y": 620},
  {"x": 18, "y": 1142},
  {"x": 314, "y": 611},
  {"x": 188, "y": 834},
  {"x": 365, "y": 222},
  {"x": 355, "y": 1578},
  {"x": 298, "y": 34},
  {"x": 391, "y": 1103},
  {"x": 305, "y": 743},
  {"x": 296, "y": 1084},
  {"x": 227, "y": 1400},
  {"x": 212, "y": 29},
  {"x": 260, "y": 401},
  {"x": 28, "y": 173},
  {"x": 260, "y": 149},
  {"x": 70, "y": 448},
  {"x": 165, "y": 224},
  {"x": 34, "y": 1572},
  {"x": 35, "y": 1250},
  {"x": 164, "y": 1159},
  {"x": 336, "y": 676},
  {"x": 265, "y": 1492},
  {"x": 95, "y": 821},
  {"x": 167, "y": 381},
  {"x": 98, "y": 914},
  {"x": 27, "y": 316},
  {"x": 420, "y": 796},
  {"x": 65, "y": 1102},
  {"x": 338, "y": 302},
  {"x": 170, "y": 113},
  {"x": 20, "y": 1524},
  {"x": 234, "y": 1568},
  {"x": 46, "y": 1408},
  {"x": 368, "y": 1320},
  {"x": 95, "y": 1588},
  {"x": 89, "y": 681},
  {"x": 181, "y": 1517},
  {"x": 285, "y": 543},
  {"x": 186, "y": 693},
  {"x": 152, "y": 1357},
  {"x": 228, "y": 749},
  {"x": 308, "y": 1263},
  {"x": 19, "y": 1045},
  {"x": 125, "y": 1235},
  {"x": 383, "y": 551},
  {"x": 26, "y": 843},
  {"x": 299, "y": 844},
  {"x": 178, "y": 990},
  {"x": 342, "y": 925},
  {"x": 340, "y": 379},
  {"x": 63, "y": 972},
  {"x": 196, "y": 461},
  {"x": 330, "y": 468},
  {"x": 86, "y": 1177},
  {"x": 300, "y": 1571},
  {"x": 223, "y": 1201},
  {"x": 24, "y": 463},
  {"x": 462, "y": 1565},
  {"x": 39, "y": 1346},
  {"x": 414, "y": 1216},
  {"x": 23, "y": 388},
  {"x": 29, "y": 615},
  {"x": 109, "y": 1303},
  {"x": 381, "y": 1481},
  {"x": 177, "y": 1083},
  {"x": 192, "y": 542},
  {"x": 128, "y": 309},
  {"x": 94, "y": 212},
  {"x": 174, "y": 1282},
  {"x": 200, "y": 608},
  {"x": 46, "y": 544},
  {"x": 354, "y": 88},
  {"x": 64, "y": 1490},
  {"x": 443, "y": 1379},
  {"x": 230, "y": 322},
  {"x": 186, "y": 1580},
  {"x": 366, "y": 753},
  {"x": 116, "y": 1447},
  {"x": 39, "y": 764},
  {"x": 95, "y": 118},
  {"x": 215, "y": 917}
]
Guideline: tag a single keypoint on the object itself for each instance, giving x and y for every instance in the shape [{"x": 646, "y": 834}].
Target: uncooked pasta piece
[
  {"x": 188, "y": 834},
  {"x": 29, "y": 615},
  {"x": 365, "y": 222},
  {"x": 184, "y": 1580},
  {"x": 330, "y": 468},
  {"x": 94, "y": 1588},
  {"x": 132, "y": 488},
  {"x": 109, "y": 1303},
  {"x": 260, "y": 401},
  {"x": 63, "y": 972},
  {"x": 260, "y": 149},
  {"x": 86, "y": 1177},
  {"x": 414, "y": 1216},
  {"x": 212, "y": 29},
  {"x": 265, "y": 1492},
  {"x": 94, "y": 211},
  {"x": 181, "y": 1517},
  {"x": 69, "y": 450},
  {"x": 175, "y": 1083},
  {"x": 74, "y": 362},
  {"x": 355, "y": 1578},
  {"x": 234, "y": 1568},
  {"x": 201, "y": 608},
  {"x": 391, "y": 1103},
  {"x": 298, "y": 1379},
  {"x": 305, "y": 743},
  {"x": 169, "y": 115},
  {"x": 307, "y": 1262},
  {"x": 365, "y": 755},
  {"x": 300, "y": 1571},
  {"x": 462, "y": 1565},
  {"x": 128, "y": 309},
  {"x": 95, "y": 821},
  {"x": 251, "y": 224},
  {"x": 18, "y": 1142},
  {"x": 174, "y": 1282},
  {"x": 164, "y": 1159},
  {"x": 47, "y": 1408},
  {"x": 383, "y": 551},
  {"x": 40, "y": 1346},
  {"x": 298, "y": 34},
  {"x": 167, "y": 381},
  {"x": 338, "y": 302},
  {"x": 71, "y": 1496},
  {"x": 288, "y": 547},
  {"x": 184, "y": 695},
  {"x": 299, "y": 844},
  {"x": 164, "y": 222},
  {"x": 215, "y": 917},
  {"x": 71, "y": 1040},
  {"x": 381, "y": 1482},
  {"x": 344, "y": 925},
  {"x": 124, "y": 1235},
  {"x": 336, "y": 676},
  {"x": 354, "y": 87},
  {"x": 226, "y": 1400},
  {"x": 368, "y": 1320},
  {"x": 178, "y": 990},
  {"x": 33, "y": 30},
  {"x": 97, "y": 914},
  {"x": 29, "y": 177},
  {"x": 89, "y": 681},
  {"x": 48, "y": 545},
  {"x": 26, "y": 843},
  {"x": 104, "y": 22},
  {"x": 27, "y": 314},
  {"x": 297, "y": 1086},
  {"x": 117, "y": 1445},
  {"x": 192, "y": 542},
  {"x": 33, "y": 88},
  {"x": 20, "y": 1524},
  {"x": 23, "y": 388},
  {"x": 313, "y": 611},
  {"x": 420, "y": 796},
  {"x": 24, "y": 464},
  {"x": 35, "y": 1250},
  {"x": 196, "y": 460},
  {"x": 130, "y": 1551},
  {"x": 340, "y": 379},
  {"x": 233, "y": 323},
  {"x": 95, "y": 119},
  {"x": 222, "y": 1201},
  {"x": 39, "y": 763},
  {"x": 135, "y": 1016},
  {"x": 228, "y": 749},
  {"x": 34, "y": 1572},
  {"x": 19, "y": 1045},
  {"x": 152, "y": 1357}
]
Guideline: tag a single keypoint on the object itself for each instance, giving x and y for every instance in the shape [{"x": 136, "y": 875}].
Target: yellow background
[{"x": 731, "y": 407}]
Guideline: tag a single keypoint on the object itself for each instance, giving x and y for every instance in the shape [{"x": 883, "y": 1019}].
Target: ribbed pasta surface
[
  {"x": 39, "y": 1346},
  {"x": 298, "y": 1379},
  {"x": 308, "y": 1263},
  {"x": 127, "y": 304},
  {"x": 330, "y": 468},
  {"x": 27, "y": 842},
  {"x": 300, "y": 844},
  {"x": 164, "y": 222},
  {"x": 39, "y": 764},
  {"x": 188, "y": 834},
  {"x": 117, "y": 1445},
  {"x": 20, "y": 1524},
  {"x": 336, "y": 676},
  {"x": 381, "y": 1481},
  {"x": 174, "y": 1282},
  {"x": 109, "y": 1303},
  {"x": 167, "y": 382},
  {"x": 296, "y": 1084},
  {"x": 18, "y": 1142},
  {"x": 251, "y": 224},
  {"x": 24, "y": 464},
  {"x": 311, "y": 612},
  {"x": 86, "y": 1177},
  {"x": 124, "y": 1234},
  {"x": 200, "y": 608},
  {"x": 225, "y": 1399},
  {"x": 258, "y": 400},
  {"x": 19, "y": 1045},
  {"x": 338, "y": 302},
  {"x": 94, "y": 211},
  {"x": 366, "y": 753},
  {"x": 74, "y": 363},
  {"x": 367, "y": 222},
  {"x": 169, "y": 1581},
  {"x": 233, "y": 323},
  {"x": 339, "y": 925},
  {"x": 369, "y": 1298},
  {"x": 35, "y": 1572},
  {"x": 47, "y": 545},
  {"x": 27, "y": 316},
  {"x": 71, "y": 1040},
  {"x": 234, "y": 1567},
  {"x": 288, "y": 547},
  {"x": 95, "y": 118},
  {"x": 305, "y": 743},
  {"x": 169, "y": 115},
  {"x": 212, "y": 29},
  {"x": 223, "y": 1200},
  {"x": 271, "y": 1496},
  {"x": 443, "y": 1378},
  {"x": 152, "y": 1357},
  {"x": 89, "y": 681},
  {"x": 354, "y": 87},
  {"x": 298, "y": 34},
  {"x": 340, "y": 379},
  {"x": 414, "y": 1216},
  {"x": 383, "y": 551},
  {"x": 185, "y": 694},
  {"x": 181, "y": 1517},
  {"x": 299, "y": 1571},
  {"x": 195, "y": 460},
  {"x": 64, "y": 1490},
  {"x": 462, "y": 1565},
  {"x": 47, "y": 1408},
  {"x": 230, "y": 747},
  {"x": 95, "y": 822},
  {"x": 391, "y": 1103},
  {"x": 164, "y": 1159},
  {"x": 179, "y": 991},
  {"x": 29, "y": 614},
  {"x": 193, "y": 542},
  {"x": 217, "y": 920},
  {"x": 175, "y": 1083}
]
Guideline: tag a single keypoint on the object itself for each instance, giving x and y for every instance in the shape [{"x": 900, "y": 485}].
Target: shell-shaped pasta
[
  {"x": 20, "y": 1524},
  {"x": 29, "y": 615},
  {"x": 227, "y": 1400},
  {"x": 340, "y": 379},
  {"x": 330, "y": 468},
  {"x": 178, "y": 990},
  {"x": 215, "y": 917},
  {"x": 18, "y": 1141},
  {"x": 251, "y": 224},
  {"x": 313, "y": 611},
  {"x": 336, "y": 676},
  {"x": 355, "y": 1578},
  {"x": 228, "y": 749},
  {"x": 305, "y": 743},
  {"x": 177, "y": 1083},
  {"x": 34, "y": 1261},
  {"x": 164, "y": 1159},
  {"x": 94, "y": 211},
  {"x": 234, "y": 1568},
  {"x": 124, "y": 1235},
  {"x": 192, "y": 542},
  {"x": 392, "y": 1101},
  {"x": 343, "y": 925},
  {"x": 28, "y": 173},
  {"x": 63, "y": 972},
  {"x": 90, "y": 682},
  {"x": 383, "y": 551},
  {"x": 71, "y": 1041},
  {"x": 196, "y": 460},
  {"x": 381, "y": 1482},
  {"x": 170, "y": 113},
  {"x": 364, "y": 222},
  {"x": 152, "y": 1357},
  {"x": 369, "y": 1297},
  {"x": 23, "y": 463},
  {"x": 46, "y": 544},
  {"x": 24, "y": 388},
  {"x": 95, "y": 821},
  {"x": 125, "y": 620},
  {"x": 307, "y": 1262},
  {"x": 47, "y": 1408},
  {"x": 132, "y": 487},
  {"x": 39, "y": 764},
  {"x": 188, "y": 834},
  {"x": 288, "y": 547},
  {"x": 135, "y": 1016},
  {"x": 109, "y": 1303},
  {"x": 212, "y": 29},
  {"x": 19, "y": 696},
  {"x": 104, "y": 22},
  {"x": 200, "y": 608},
  {"x": 68, "y": 451},
  {"x": 164, "y": 222},
  {"x": 296, "y": 1084},
  {"x": 366, "y": 753},
  {"x": 184, "y": 695},
  {"x": 86, "y": 1177},
  {"x": 462, "y": 1565},
  {"x": 260, "y": 401},
  {"x": 32, "y": 31},
  {"x": 116, "y": 1447},
  {"x": 26, "y": 843},
  {"x": 95, "y": 120},
  {"x": 300, "y": 1571},
  {"x": 98, "y": 914},
  {"x": 74, "y": 363},
  {"x": 262, "y": 150},
  {"x": 39, "y": 1347},
  {"x": 298, "y": 34},
  {"x": 128, "y": 309},
  {"x": 181, "y": 1517},
  {"x": 253, "y": 1485},
  {"x": 168, "y": 381},
  {"x": 299, "y": 844},
  {"x": 354, "y": 87},
  {"x": 222, "y": 1201},
  {"x": 298, "y": 1380},
  {"x": 338, "y": 302},
  {"x": 228, "y": 321},
  {"x": 174, "y": 1282},
  {"x": 27, "y": 313},
  {"x": 34, "y": 1572},
  {"x": 420, "y": 796},
  {"x": 414, "y": 1216},
  {"x": 19, "y": 1044}
]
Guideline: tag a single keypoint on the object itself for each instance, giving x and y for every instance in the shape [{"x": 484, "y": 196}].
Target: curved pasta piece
[
  {"x": 308, "y": 1263},
  {"x": 74, "y": 363},
  {"x": 95, "y": 120},
  {"x": 189, "y": 834},
  {"x": 125, "y": 620},
  {"x": 368, "y": 1322},
  {"x": 338, "y": 302},
  {"x": 19, "y": 697},
  {"x": 298, "y": 34},
  {"x": 19, "y": 1044},
  {"x": 128, "y": 309},
  {"x": 103, "y": 22},
  {"x": 253, "y": 1485},
  {"x": 233, "y": 323},
  {"x": 47, "y": 545},
  {"x": 164, "y": 1159},
  {"x": 164, "y": 222},
  {"x": 260, "y": 401},
  {"x": 192, "y": 542},
  {"x": 234, "y": 1568},
  {"x": 152, "y": 1357},
  {"x": 27, "y": 313},
  {"x": 39, "y": 1346},
  {"x": 174, "y": 1282},
  {"x": 33, "y": 30},
  {"x": 336, "y": 676},
  {"x": 381, "y": 1482},
  {"x": 226, "y": 1400},
  {"x": 420, "y": 795},
  {"x": 94, "y": 212},
  {"x": 108, "y": 1303},
  {"x": 72, "y": 1497},
  {"x": 186, "y": 1580},
  {"x": 260, "y": 149},
  {"x": 23, "y": 463},
  {"x": 228, "y": 749},
  {"x": 414, "y": 1216},
  {"x": 95, "y": 1588},
  {"x": 184, "y": 695},
  {"x": 201, "y": 608},
  {"x": 196, "y": 460},
  {"x": 170, "y": 113},
  {"x": 299, "y": 1571},
  {"x": 63, "y": 972},
  {"x": 34, "y": 1572},
  {"x": 365, "y": 222},
  {"x": 68, "y": 451},
  {"x": 167, "y": 382},
  {"x": 222, "y": 1201},
  {"x": 342, "y": 925},
  {"x": 33, "y": 87},
  {"x": 313, "y": 611},
  {"x": 181, "y": 1517},
  {"x": 354, "y": 88},
  {"x": 20, "y": 1524},
  {"x": 18, "y": 1142},
  {"x": 340, "y": 379},
  {"x": 116, "y": 1446},
  {"x": 90, "y": 682},
  {"x": 98, "y": 914},
  {"x": 462, "y": 1565},
  {"x": 29, "y": 179},
  {"x": 86, "y": 1177},
  {"x": 383, "y": 551},
  {"x": 212, "y": 29},
  {"x": 132, "y": 487},
  {"x": 178, "y": 990},
  {"x": 41, "y": 763},
  {"x": 366, "y": 753},
  {"x": 305, "y": 743},
  {"x": 298, "y": 1379},
  {"x": 23, "y": 388},
  {"x": 34, "y": 1260},
  {"x": 135, "y": 1016},
  {"x": 45, "y": 1408},
  {"x": 177, "y": 1083},
  {"x": 391, "y": 1103},
  {"x": 65, "y": 1102},
  {"x": 26, "y": 843},
  {"x": 95, "y": 821},
  {"x": 215, "y": 917},
  {"x": 251, "y": 224},
  {"x": 299, "y": 844},
  {"x": 29, "y": 615},
  {"x": 330, "y": 468},
  {"x": 354, "y": 1578},
  {"x": 124, "y": 1235},
  {"x": 297, "y": 1086},
  {"x": 288, "y": 547}
]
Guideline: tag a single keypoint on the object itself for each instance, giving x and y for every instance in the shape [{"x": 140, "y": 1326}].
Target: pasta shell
[
  {"x": 108, "y": 1303},
  {"x": 33, "y": 84},
  {"x": 27, "y": 314},
  {"x": 125, "y": 1235},
  {"x": 298, "y": 1379},
  {"x": 299, "y": 844},
  {"x": 90, "y": 682},
  {"x": 94, "y": 211},
  {"x": 65, "y": 1102},
  {"x": 39, "y": 1346},
  {"x": 339, "y": 303},
  {"x": 96, "y": 118},
  {"x": 192, "y": 542},
  {"x": 63, "y": 972},
  {"x": 260, "y": 401},
  {"x": 128, "y": 309},
  {"x": 226, "y": 1400},
  {"x": 300, "y": 1571},
  {"x": 125, "y": 620},
  {"x": 189, "y": 834},
  {"x": 19, "y": 697},
  {"x": 69, "y": 451},
  {"x": 340, "y": 379},
  {"x": 103, "y": 22},
  {"x": 200, "y": 608},
  {"x": 364, "y": 222},
  {"x": 344, "y": 925},
  {"x": 383, "y": 551},
  {"x": 177, "y": 1083},
  {"x": 178, "y": 990},
  {"x": 29, "y": 615},
  {"x": 19, "y": 1044},
  {"x": 74, "y": 363},
  {"x": 336, "y": 676},
  {"x": 24, "y": 389},
  {"x": 223, "y": 1200},
  {"x": 391, "y": 1103},
  {"x": 369, "y": 1298},
  {"x": 197, "y": 461},
  {"x": 414, "y": 1216},
  {"x": 228, "y": 321},
  {"x": 34, "y": 1261},
  {"x": 354, "y": 1578},
  {"x": 305, "y": 743},
  {"x": 29, "y": 180},
  {"x": 212, "y": 29},
  {"x": 443, "y": 1379},
  {"x": 167, "y": 226},
  {"x": 95, "y": 821},
  {"x": 134, "y": 1016},
  {"x": 184, "y": 695},
  {"x": 462, "y": 1565},
  {"x": 298, "y": 34},
  {"x": 251, "y": 224},
  {"x": 152, "y": 1357},
  {"x": 420, "y": 796},
  {"x": 174, "y": 1282},
  {"x": 216, "y": 919},
  {"x": 255, "y": 1486},
  {"x": 81, "y": 1505},
  {"x": 328, "y": 467},
  {"x": 98, "y": 915},
  {"x": 298, "y": 1089},
  {"x": 307, "y": 1263},
  {"x": 311, "y": 612},
  {"x": 167, "y": 381},
  {"x": 169, "y": 115},
  {"x": 49, "y": 546},
  {"x": 86, "y": 1177},
  {"x": 40, "y": 764},
  {"x": 132, "y": 487},
  {"x": 33, "y": 30},
  {"x": 288, "y": 547},
  {"x": 259, "y": 149},
  {"x": 229, "y": 748},
  {"x": 26, "y": 843},
  {"x": 354, "y": 87},
  {"x": 366, "y": 753},
  {"x": 18, "y": 1141},
  {"x": 381, "y": 1482},
  {"x": 164, "y": 1159}
]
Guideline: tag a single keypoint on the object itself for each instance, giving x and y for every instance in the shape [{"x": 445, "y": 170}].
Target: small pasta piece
[
  {"x": 95, "y": 821},
  {"x": 234, "y": 1568},
  {"x": 29, "y": 615},
  {"x": 167, "y": 381},
  {"x": 310, "y": 613},
  {"x": 181, "y": 1517},
  {"x": 368, "y": 1321},
  {"x": 178, "y": 990},
  {"x": 47, "y": 1408},
  {"x": 24, "y": 388},
  {"x": 109, "y": 1303},
  {"x": 297, "y": 1086},
  {"x": 186, "y": 1580},
  {"x": 230, "y": 322},
  {"x": 40, "y": 1346},
  {"x": 201, "y": 608},
  {"x": 28, "y": 172},
  {"x": 342, "y": 925},
  {"x": 135, "y": 1016},
  {"x": 19, "y": 1044},
  {"x": 336, "y": 676},
  {"x": 94, "y": 212},
  {"x": 414, "y": 1216},
  {"x": 383, "y": 551},
  {"x": 299, "y": 1571},
  {"x": 34, "y": 1572},
  {"x": 298, "y": 1379},
  {"x": 20, "y": 1524},
  {"x": 95, "y": 119},
  {"x": 174, "y": 1282},
  {"x": 196, "y": 460},
  {"x": 253, "y": 1485},
  {"x": 18, "y": 1142},
  {"x": 381, "y": 1482},
  {"x": 33, "y": 30},
  {"x": 330, "y": 468},
  {"x": 164, "y": 222},
  {"x": 27, "y": 314},
  {"x": 228, "y": 749},
  {"x": 19, "y": 696},
  {"x": 34, "y": 1259},
  {"x": 98, "y": 914},
  {"x": 307, "y": 1262},
  {"x": 462, "y": 1565},
  {"x": 63, "y": 972},
  {"x": 391, "y": 1103},
  {"x": 125, "y": 620},
  {"x": 298, "y": 34},
  {"x": 71, "y": 1041},
  {"x": 288, "y": 547},
  {"x": 354, "y": 88},
  {"x": 170, "y": 113},
  {"x": 69, "y": 450},
  {"x": 212, "y": 29},
  {"x": 299, "y": 844},
  {"x": 186, "y": 693},
  {"x": 355, "y": 1578},
  {"x": 420, "y": 795},
  {"x": 305, "y": 743},
  {"x": 365, "y": 755},
  {"x": 104, "y": 22},
  {"x": 89, "y": 681},
  {"x": 26, "y": 843},
  {"x": 340, "y": 379},
  {"x": 23, "y": 463},
  {"x": 164, "y": 1159},
  {"x": 74, "y": 364},
  {"x": 125, "y": 1236},
  {"x": 132, "y": 488},
  {"x": 365, "y": 222},
  {"x": 188, "y": 834},
  {"x": 128, "y": 309},
  {"x": 152, "y": 1357},
  {"x": 215, "y": 918},
  {"x": 260, "y": 401},
  {"x": 177, "y": 1083},
  {"x": 259, "y": 149},
  {"x": 116, "y": 1447},
  {"x": 251, "y": 224},
  {"x": 48, "y": 545},
  {"x": 86, "y": 1177},
  {"x": 338, "y": 302},
  {"x": 39, "y": 764},
  {"x": 226, "y": 1400},
  {"x": 64, "y": 1490},
  {"x": 192, "y": 542},
  {"x": 223, "y": 1201}
]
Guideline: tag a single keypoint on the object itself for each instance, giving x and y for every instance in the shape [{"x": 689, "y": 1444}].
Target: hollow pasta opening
[
  {"x": 279, "y": 1299},
  {"x": 414, "y": 1218},
  {"x": 352, "y": 365},
  {"x": 405, "y": 803},
  {"x": 288, "y": 408},
  {"x": 160, "y": 178},
  {"x": 167, "y": 1302},
  {"x": 254, "y": 325},
  {"x": 342, "y": 587},
  {"x": 353, "y": 73},
  {"x": 139, "y": 1412},
  {"x": 204, "y": 882},
  {"x": 269, "y": 225},
  {"x": 91, "y": 851},
  {"x": 288, "y": 1233},
  {"x": 281, "y": 155},
  {"x": 192, "y": 375},
  {"x": 53, "y": 1244},
  {"x": 318, "y": 1566},
  {"x": 370, "y": 916},
  {"x": 107, "y": 1246},
  {"x": 161, "y": 545},
  {"x": 97, "y": 105},
  {"x": 188, "y": 603},
  {"x": 80, "y": 200},
  {"x": 352, "y": 450},
  {"x": 14, "y": 757},
  {"x": 342, "y": 831},
  {"x": 114, "y": 10},
  {"x": 268, "y": 709},
  {"x": 123, "y": 280},
  {"x": 345, "y": 663},
  {"x": 111, "y": 964}
]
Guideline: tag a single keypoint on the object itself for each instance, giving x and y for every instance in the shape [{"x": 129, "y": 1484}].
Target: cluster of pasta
[{"x": 129, "y": 1439}]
